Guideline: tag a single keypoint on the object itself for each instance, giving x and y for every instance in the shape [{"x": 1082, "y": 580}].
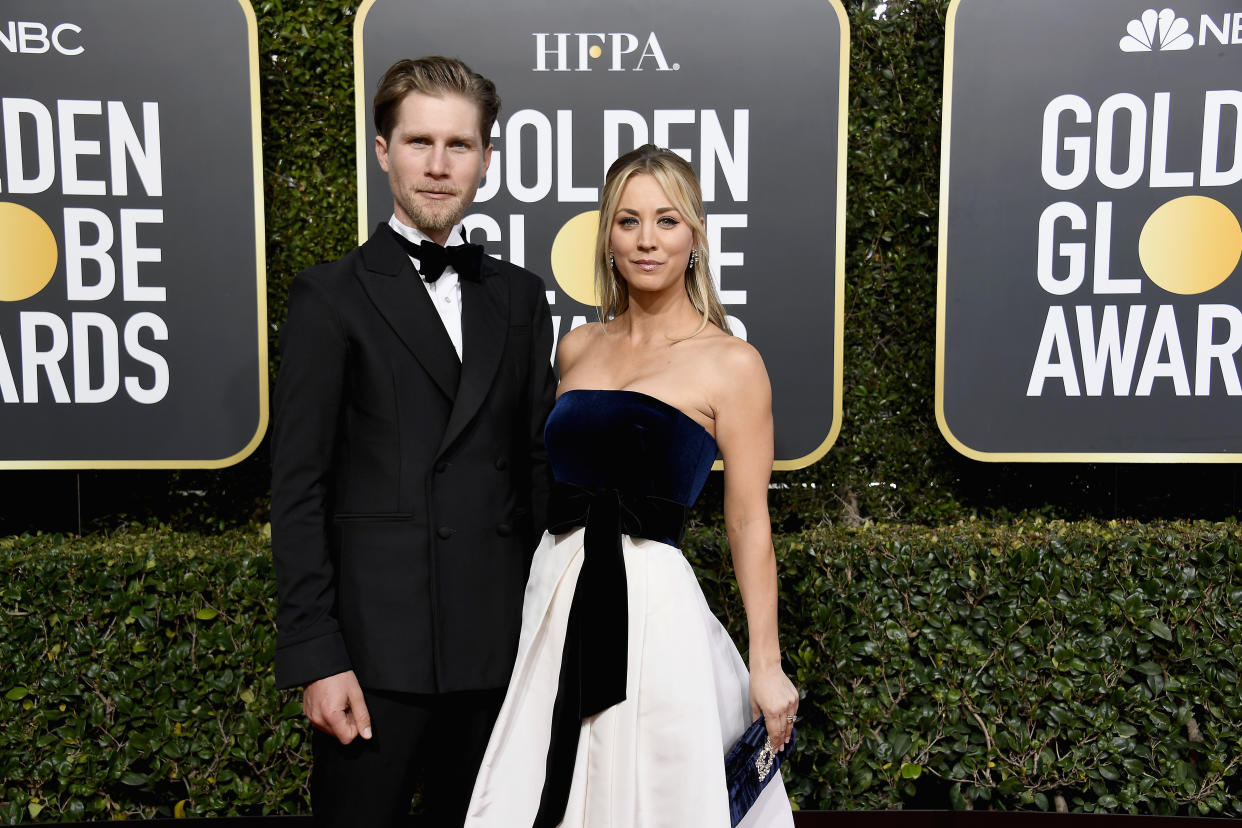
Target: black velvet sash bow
[{"x": 593, "y": 673}]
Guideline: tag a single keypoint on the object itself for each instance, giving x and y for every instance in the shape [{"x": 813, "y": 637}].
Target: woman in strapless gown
[{"x": 627, "y": 692}]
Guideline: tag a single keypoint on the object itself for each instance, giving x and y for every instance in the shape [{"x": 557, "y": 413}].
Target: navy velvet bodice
[{"x": 628, "y": 441}]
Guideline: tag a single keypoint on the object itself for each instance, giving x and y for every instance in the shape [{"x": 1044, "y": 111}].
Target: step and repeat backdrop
[
  {"x": 132, "y": 293},
  {"x": 1091, "y": 189},
  {"x": 755, "y": 104},
  {"x": 1089, "y": 240}
]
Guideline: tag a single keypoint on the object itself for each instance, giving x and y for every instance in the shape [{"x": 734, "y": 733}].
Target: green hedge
[
  {"x": 1093, "y": 665},
  {"x": 138, "y": 679},
  {"x": 1083, "y": 666}
]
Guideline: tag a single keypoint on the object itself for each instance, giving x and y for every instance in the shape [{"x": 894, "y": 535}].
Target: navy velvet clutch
[{"x": 750, "y": 765}]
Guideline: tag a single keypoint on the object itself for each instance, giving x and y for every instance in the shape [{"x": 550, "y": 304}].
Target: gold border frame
[
  {"x": 360, "y": 108},
  {"x": 941, "y": 293},
  {"x": 256, "y": 144},
  {"x": 838, "y": 344},
  {"x": 362, "y": 151}
]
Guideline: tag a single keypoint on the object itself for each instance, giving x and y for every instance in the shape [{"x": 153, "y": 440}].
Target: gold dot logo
[
  {"x": 595, "y": 51},
  {"x": 28, "y": 253},
  {"x": 573, "y": 258},
  {"x": 1190, "y": 244}
]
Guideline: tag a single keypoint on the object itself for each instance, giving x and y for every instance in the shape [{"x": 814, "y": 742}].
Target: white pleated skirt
[{"x": 656, "y": 759}]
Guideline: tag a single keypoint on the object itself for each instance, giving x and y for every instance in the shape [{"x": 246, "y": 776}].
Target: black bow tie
[{"x": 432, "y": 258}]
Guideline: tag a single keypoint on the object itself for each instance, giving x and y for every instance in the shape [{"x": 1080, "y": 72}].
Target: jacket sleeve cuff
[{"x": 307, "y": 661}]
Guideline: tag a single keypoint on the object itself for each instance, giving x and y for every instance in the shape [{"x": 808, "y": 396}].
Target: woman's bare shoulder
[
  {"x": 575, "y": 343},
  {"x": 732, "y": 361}
]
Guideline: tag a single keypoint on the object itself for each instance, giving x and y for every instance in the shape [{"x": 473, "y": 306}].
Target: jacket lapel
[
  {"x": 484, "y": 329},
  {"x": 395, "y": 289}
]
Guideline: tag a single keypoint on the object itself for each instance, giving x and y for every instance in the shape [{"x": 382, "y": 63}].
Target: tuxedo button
[
  {"x": 504, "y": 530},
  {"x": 502, "y": 464},
  {"x": 441, "y": 467},
  {"x": 445, "y": 532}
]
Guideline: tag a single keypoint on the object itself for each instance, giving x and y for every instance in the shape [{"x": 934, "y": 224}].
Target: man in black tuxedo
[{"x": 409, "y": 480}]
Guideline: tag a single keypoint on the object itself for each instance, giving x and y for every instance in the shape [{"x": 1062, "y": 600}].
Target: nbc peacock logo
[{"x": 1157, "y": 31}]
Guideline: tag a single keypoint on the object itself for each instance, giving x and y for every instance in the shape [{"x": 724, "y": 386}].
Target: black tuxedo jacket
[{"x": 408, "y": 488}]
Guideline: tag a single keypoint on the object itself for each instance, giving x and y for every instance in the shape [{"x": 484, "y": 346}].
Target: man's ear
[
  {"x": 381, "y": 152},
  {"x": 487, "y": 161}
]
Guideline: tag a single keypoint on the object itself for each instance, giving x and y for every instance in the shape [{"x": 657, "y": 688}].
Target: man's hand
[{"x": 335, "y": 706}]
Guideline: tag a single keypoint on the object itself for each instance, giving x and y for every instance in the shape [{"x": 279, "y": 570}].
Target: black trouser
[{"x": 437, "y": 740}]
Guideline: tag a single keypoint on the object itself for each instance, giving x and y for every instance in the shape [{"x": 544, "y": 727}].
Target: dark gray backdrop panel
[
  {"x": 1008, "y": 60},
  {"x": 196, "y": 60},
  {"x": 780, "y": 61}
]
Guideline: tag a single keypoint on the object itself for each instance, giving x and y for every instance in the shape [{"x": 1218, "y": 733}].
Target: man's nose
[{"x": 437, "y": 162}]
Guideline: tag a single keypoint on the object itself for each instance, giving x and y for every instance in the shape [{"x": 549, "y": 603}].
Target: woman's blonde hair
[{"x": 677, "y": 179}]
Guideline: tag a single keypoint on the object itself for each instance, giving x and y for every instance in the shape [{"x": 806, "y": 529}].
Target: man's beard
[{"x": 437, "y": 217}]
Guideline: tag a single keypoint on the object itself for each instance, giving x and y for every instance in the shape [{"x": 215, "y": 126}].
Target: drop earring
[
  {"x": 612, "y": 262},
  {"x": 694, "y": 257}
]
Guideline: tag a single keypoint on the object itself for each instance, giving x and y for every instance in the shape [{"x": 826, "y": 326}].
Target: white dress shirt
[{"x": 445, "y": 292}]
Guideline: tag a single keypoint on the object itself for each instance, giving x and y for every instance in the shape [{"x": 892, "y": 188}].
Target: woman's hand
[{"x": 773, "y": 695}]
